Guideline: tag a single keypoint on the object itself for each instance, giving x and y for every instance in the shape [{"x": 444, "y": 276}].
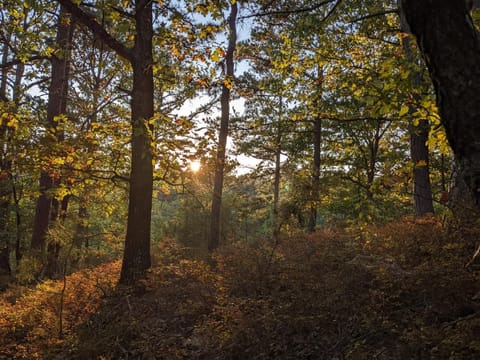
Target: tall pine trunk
[{"x": 215, "y": 224}]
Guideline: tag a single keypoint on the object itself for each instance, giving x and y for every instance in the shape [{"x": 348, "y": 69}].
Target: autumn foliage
[
  {"x": 33, "y": 320},
  {"x": 398, "y": 291}
]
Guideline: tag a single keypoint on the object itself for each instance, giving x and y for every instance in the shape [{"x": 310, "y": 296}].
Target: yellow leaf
[
  {"x": 403, "y": 110},
  {"x": 12, "y": 123},
  {"x": 228, "y": 83}
]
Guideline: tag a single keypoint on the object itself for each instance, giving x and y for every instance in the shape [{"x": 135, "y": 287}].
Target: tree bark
[
  {"x": 5, "y": 166},
  {"x": 215, "y": 225},
  {"x": 317, "y": 143},
  {"x": 317, "y": 153},
  {"x": 136, "y": 256},
  {"x": 276, "y": 189},
  {"x": 57, "y": 105},
  {"x": 422, "y": 188},
  {"x": 450, "y": 45}
]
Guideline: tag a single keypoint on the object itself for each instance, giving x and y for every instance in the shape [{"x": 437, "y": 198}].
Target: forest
[{"x": 235, "y": 179}]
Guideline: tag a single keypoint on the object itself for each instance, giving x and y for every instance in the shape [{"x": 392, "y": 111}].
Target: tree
[
  {"x": 422, "y": 188},
  {"x": 214, "y": 238},
  {"x": 47, "y": 207},
  {"x": 444, "y": 29},
  {"x": 25, "y": 55},
  {"x": 136, "y": 259}
]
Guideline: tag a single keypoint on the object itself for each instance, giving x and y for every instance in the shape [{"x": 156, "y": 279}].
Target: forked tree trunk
[
  {"x": 136, "y": 255},
  {"x": 215, "y": 226},
  {"x": 450, "y": 45}
]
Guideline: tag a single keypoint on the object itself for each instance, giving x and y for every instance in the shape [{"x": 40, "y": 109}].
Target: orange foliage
[
  {"x": 30, "y": 319},
  {"x": 398, "y": 291}
]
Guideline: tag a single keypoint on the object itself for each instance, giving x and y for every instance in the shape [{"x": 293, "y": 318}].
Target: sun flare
[{"x": 195, "y": 165}]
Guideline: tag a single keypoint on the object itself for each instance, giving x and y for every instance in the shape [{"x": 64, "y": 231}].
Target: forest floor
[{"x": 399, "y": 291}]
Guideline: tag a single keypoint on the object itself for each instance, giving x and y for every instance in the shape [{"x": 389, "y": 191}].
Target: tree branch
[
  {"x": 288, "y": 11},
  {"x": 380, "y": 13},
  {"x": 89, "y": 21},
  {"x": 14, "y": 62}
]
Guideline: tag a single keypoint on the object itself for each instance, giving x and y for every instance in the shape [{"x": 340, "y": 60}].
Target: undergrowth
[{"x": 399, "y": 291}]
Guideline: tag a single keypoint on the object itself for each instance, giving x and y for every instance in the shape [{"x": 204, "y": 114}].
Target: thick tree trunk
[
  {"x": 450, "y": 45},
  {"x": 57, "y": 105},
  {"x": 136, "y": 256},
  {"x": 214, "y": 239}
]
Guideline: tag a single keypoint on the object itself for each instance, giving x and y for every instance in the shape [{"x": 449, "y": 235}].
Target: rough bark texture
[
  {"x": 214, "y": 238},
  {"x": 422, "y": 189},
  {"x": 57, "y": 104},
  {"x": 136, "y": 256},
  {"x": 450, "y": 45}
]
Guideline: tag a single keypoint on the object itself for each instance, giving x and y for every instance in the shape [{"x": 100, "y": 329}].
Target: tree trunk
[
  {"x": 422, "y": 188},
  {"x": 317, "y": 153},
  {"x": 5, "y": 247},
  {"x": 4, "y": 176},
  {"x": 276, "y": 191},
  {"x": 214, "y": 239},
  {"x": 7, "y": 187},
  {"x": 136, "y": 256},
  {"x": 57, "y": 105},
  {"x": 317, "y": 142},
  {"x": 450, "y": 45}
]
